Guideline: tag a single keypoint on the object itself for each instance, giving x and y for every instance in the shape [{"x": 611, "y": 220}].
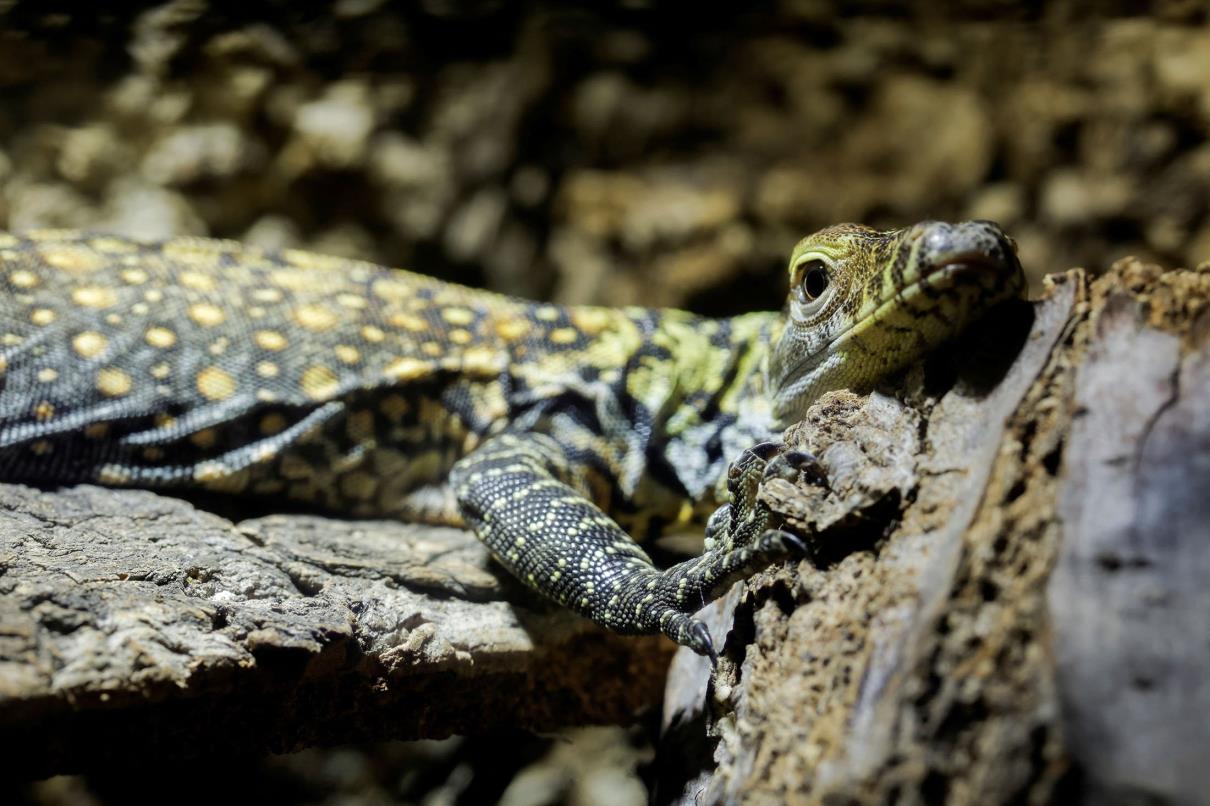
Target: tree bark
[
  {"x": 1003, "y": 599},
  {"x": 1007, "y": 600},
  {"x": 134, "y": 626}
]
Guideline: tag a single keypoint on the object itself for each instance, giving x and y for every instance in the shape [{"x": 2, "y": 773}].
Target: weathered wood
[
  {"x": 1128, "y": 597},
  {"x": 1007, "y": 600},
  {"x": 135, "y": 626},
  {"x": 1004, "y": 599}
]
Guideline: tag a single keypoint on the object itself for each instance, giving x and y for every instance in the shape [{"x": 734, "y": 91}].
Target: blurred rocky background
[{"x": 611, "y": 152}]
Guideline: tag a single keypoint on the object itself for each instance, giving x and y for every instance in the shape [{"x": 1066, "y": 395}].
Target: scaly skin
[{"x": 557, "y": 433}]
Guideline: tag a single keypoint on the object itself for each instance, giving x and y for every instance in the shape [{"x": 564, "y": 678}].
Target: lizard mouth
[{"x": 965, "y": 263}]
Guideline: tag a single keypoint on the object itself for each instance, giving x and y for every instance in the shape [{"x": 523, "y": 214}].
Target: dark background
[
  {"x": 625, "y": 152},
  {"x": 614, "y": 152}
]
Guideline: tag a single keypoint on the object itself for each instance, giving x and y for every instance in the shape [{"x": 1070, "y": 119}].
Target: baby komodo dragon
[{"x": 557, "y": 434}]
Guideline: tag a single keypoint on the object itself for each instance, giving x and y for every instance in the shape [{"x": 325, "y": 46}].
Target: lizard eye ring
[{"x": 814, "y": 279}]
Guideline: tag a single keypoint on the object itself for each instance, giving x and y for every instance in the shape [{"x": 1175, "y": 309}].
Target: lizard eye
[{"x": 814, "y": 279}]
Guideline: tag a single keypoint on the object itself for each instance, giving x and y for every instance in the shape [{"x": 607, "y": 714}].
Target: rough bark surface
[
  {"x": 1004, "y": 598},
  {"x": 975, "y": 622},
  {"x": 1007, "y": 601},
  {"x": 136, "y": 626}
]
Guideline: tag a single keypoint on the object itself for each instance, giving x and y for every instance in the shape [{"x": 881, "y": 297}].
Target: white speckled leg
[{"x": 514, "y": 492}]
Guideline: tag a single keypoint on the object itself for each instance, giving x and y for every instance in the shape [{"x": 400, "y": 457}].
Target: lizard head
[{"x": 864, "y": 302}]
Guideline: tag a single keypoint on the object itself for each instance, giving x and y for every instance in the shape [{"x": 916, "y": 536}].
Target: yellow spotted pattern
[
  {"x": 214, "y": 383},
  {"x": 23, "y": 279},
  {"x": 73, "y": 258},
  {"x": 206, "y": 315},
  {"x": 347, "y": 353},
  {"x": 114, "y": 382},
  {"x": 92, "y": 296},
  {"x": 269, "y": 340},
  {"x": 197, "y": 280},
  {"x": 160, "y": 337},
  {"x": 315, "y": 317},
  {"x": 89, "y": 344},
  {"x": 365, "y": 390},
  {"x": 319, "y": 382}
]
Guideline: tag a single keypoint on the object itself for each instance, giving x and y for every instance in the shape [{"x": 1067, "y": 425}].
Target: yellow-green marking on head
[{"x": 864, "y": 303}]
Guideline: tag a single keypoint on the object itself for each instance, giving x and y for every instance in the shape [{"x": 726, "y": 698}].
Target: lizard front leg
[
  {"x": 745, "y": 518},
  {"x": 515, "y": 491}
]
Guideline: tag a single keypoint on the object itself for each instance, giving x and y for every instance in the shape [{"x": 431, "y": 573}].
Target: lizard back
[
  {"x": 559, "y": 435},
  {"x": 210, "y": 363}
]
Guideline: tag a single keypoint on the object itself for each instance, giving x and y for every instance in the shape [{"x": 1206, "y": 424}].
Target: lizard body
[{"x": 556, "y": 433}]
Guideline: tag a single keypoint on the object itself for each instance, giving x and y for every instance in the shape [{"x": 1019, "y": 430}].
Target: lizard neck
[
  {"x": 751, "y": 340},
  {"x": 716, "y": 401}
]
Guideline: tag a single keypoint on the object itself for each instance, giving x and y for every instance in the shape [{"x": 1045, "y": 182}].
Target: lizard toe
[
  {"x": 796, "y": 466},
  {"x": 693, "y": 634},
  {"x": 777, "y": 544}
]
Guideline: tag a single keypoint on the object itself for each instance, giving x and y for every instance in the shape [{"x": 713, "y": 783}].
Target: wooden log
[
  {"x": 1008, "y": 598},
  {"x": 1003, "y": 599},
  {"x": 135, "y": 626}
]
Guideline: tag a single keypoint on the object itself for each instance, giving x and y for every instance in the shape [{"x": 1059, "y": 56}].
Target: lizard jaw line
[{"x": 964, "y": 264}]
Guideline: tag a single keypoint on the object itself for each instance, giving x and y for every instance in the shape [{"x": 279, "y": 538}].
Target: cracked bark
[
  {"x": 1007, "y": 599},
  {"x": 135, "y": 626},
  {"x": 1003, "y": 601}
]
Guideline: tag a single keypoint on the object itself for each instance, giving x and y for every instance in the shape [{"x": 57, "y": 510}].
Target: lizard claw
[
  {"x": 698, "y": 639},
  {"x": 775, "y": 542},
  {"x": 796, "y": 466}
]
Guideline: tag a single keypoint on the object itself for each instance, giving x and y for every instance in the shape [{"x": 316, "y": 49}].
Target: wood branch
[
  {"x": 1007, "y": 600},
  {"x": 135, "y": 626}
]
